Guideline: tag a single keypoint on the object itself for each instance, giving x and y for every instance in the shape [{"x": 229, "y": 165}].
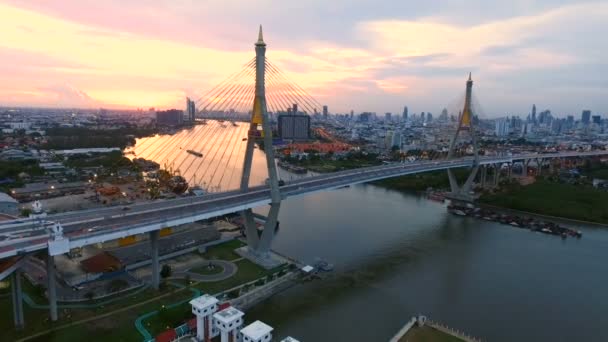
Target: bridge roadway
[{"x": 92, "y": 226}]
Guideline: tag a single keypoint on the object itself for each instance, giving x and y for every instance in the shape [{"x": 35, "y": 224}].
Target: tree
[
  {"x": 165, "y": 271},
  {"x": 25, "y": 212}
]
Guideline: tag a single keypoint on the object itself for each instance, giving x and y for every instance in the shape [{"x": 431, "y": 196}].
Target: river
[{"x": 397, "y": 255}]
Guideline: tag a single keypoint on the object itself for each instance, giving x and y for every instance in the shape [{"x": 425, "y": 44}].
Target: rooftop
[
  {"x": 228, "y": 315},
  {"x": 203, "y": 301},
  {"x": 256, "y": 330},
  {"x": 6, "y": 198}
]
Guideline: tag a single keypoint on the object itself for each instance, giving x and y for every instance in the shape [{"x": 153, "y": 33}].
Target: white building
[
  {"x": 257, "y": 332},
  {"x": 203, "y": 308},
  {"x": 228, "y": 321},
  {"x": 289, "y": 339}
]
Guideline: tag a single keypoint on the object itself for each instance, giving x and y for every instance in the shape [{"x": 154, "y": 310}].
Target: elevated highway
[{"x": 81, "y": 228}]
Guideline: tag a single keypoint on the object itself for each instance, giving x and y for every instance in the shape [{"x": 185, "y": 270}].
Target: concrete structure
[
  {"x": 289, "y": 339},
  {"x": 17, "y": 296},
  {"x": 51, "y": 286},
  {"x": 260, "y": 246},
  {"x": 256, "y": 332},
  {"x": 87, "y": 227},
  {"x": 154, "y": 256},
  {"x": 203, "y": 308},
  {"x": 228, "y": 322},
  {"x": 465, "y": 123}
]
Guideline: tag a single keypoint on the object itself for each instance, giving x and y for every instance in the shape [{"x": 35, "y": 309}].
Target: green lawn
[
  {"x": 555, "y": 199},
  {"x": 224, "y": 251},
  {"x": 247, "y": 271},
  {"x": 117, "y": 327},
  {"x": 427, "y": 334}
]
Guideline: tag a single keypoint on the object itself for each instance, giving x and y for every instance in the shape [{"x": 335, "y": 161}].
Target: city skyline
[{"x": 65, "y": 54}]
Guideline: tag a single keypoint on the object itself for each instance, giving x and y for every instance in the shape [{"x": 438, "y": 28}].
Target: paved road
[{"x": 93, "y": 226}]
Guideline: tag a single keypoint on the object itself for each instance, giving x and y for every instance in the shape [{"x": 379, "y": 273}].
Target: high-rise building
[
  {"x": 352, "y": 114},
  {"x": 444, "y": 115},
  {"x": 295, "y": 127},
  {"x": 429, "y": 117},
  {"x": 387, "y": 117},
  {"x": 596, "y": 119},
  {"x": 190, "y": 110},
  {"x": 533, "y": 113},
  {"x": 294, "y": 108},
  {"x": 171, "y": 117},
  {"x": 365, "y": 117},
  {"x": 503, "y": 127},
  {"x": 405, "y": 113},
  {"x": 325, "y": 112},
  {"x": 585, "y": 117}
]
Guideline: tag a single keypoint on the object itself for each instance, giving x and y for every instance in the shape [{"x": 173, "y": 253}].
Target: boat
[
  {"x": 198, "y": 154},
  {"x": 323, "y": 265}
]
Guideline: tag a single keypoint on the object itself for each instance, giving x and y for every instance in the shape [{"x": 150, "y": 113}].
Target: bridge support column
[
  {"x": 17, "y": 296},
  {"x": 465, "y": 124},
  {"x": 496, "y": 174},
  {"x": 524, "y": 167},
  {"x": 52, "y": 286},
  {"x": 251, "y": 230},
  {"x": 258, "y": 249},
  {"x": 484, "y": 175},
  {"x": 270, "y": 227},
  {"x": 154, "y": 255}
]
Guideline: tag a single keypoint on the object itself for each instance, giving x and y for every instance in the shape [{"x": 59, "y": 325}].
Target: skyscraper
[
  {"x": 325, "y": 112},
  {"x": 503, "y": 127},
  {"x": 405, "y": 113},
  {"x": 387, "y": 117},
  {"x": 533, "y": 113},
  {"x": 429, "y": 117},
  {"x": 190, "y": 110},
  {"x": 585, "y": 117}
]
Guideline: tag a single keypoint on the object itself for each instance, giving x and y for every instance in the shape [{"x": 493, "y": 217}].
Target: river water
[{"x": 397, "y": 255}]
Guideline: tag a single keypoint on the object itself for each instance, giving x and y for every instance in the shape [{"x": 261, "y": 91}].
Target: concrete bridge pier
[
  {"x": 251, "y": 230},
  {"x": 17, "y": 296},
  {"x": 524, "y": 167},
  {"x": 52, "y": 286},
  {"x": 496, "y": 174},
  {"x": 154, "y": 256},
  {"x": 484, "y": 175},
  {"x": 539, "y": 164}
]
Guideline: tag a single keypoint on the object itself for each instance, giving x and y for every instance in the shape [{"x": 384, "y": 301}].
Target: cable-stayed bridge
[{"x": 223, "y": 160}]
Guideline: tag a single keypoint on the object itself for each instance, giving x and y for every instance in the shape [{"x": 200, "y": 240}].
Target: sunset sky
[{"x": 349, "y": 54}]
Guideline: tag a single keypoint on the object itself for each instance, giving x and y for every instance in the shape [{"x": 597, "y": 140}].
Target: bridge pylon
[
  {"x": 465, "y": 124},
  {"x": 260, "y": 130}
]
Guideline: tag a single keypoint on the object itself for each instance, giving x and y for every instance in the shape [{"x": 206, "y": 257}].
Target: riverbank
[
  {"x": 422, "y": 181},
  {"x": 553, "y": 199}
]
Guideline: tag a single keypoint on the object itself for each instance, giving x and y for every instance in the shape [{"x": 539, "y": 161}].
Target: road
[{"x": 97, "y": 225}]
